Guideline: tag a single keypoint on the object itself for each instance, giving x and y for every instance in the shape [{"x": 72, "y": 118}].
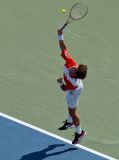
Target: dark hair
[{"x": 81, "y": 71}]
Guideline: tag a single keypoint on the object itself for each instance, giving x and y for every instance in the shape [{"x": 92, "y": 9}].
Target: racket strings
[{"x": 78, "y": 11}]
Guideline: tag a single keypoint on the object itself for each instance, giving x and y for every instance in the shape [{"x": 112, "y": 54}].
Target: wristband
[{"x": 60, "y": 37}]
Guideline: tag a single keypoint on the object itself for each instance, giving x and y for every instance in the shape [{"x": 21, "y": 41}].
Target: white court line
[{"x": 55, "y": 136}]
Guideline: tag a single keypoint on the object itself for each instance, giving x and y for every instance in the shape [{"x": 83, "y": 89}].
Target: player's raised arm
[{"x": 61, "y": 40}]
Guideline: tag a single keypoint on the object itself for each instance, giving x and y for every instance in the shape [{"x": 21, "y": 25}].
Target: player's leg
[
  {"x": 79, "y": 133},
  {"x": 76, "y": 118},
  {"x": 69, "y": 122},
  {"x": 72, "y": 101}
]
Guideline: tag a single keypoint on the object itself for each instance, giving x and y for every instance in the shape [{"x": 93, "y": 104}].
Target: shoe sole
[{"x": 66, "y": 128}]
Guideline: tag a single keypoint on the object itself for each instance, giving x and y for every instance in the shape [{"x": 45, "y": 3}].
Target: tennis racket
[{"x": 78, "y": 11}]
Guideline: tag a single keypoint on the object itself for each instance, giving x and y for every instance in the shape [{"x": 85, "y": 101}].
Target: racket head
[{"x": 78, "y": 11}]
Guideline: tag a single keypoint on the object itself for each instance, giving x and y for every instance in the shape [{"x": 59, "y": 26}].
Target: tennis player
[{"x": 71, "y": 83}]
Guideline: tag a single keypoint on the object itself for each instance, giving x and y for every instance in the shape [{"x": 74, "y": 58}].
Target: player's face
[{"x": 72, "y": 72}]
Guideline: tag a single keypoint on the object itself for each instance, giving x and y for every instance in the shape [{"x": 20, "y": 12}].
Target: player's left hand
[{"x": 59, "y": 80}]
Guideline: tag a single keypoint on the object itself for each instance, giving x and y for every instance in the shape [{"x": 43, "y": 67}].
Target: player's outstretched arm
[{"x": 61, "y": 40}]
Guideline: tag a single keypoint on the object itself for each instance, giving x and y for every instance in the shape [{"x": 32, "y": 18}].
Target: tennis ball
[{"x": 63, "y": 10}]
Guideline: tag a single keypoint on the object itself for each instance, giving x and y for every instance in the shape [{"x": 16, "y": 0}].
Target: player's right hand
[{"x": 59, "y": 32}]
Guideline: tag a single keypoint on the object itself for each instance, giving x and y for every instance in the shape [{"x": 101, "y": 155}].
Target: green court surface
[{"x": 30, "y": 64}]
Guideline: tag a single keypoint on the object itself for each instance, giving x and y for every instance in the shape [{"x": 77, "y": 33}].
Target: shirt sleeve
[{"x": 68, "y": 59}]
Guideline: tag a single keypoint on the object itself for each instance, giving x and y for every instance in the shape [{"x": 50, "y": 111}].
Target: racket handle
[{"x": 63, "y": 26}]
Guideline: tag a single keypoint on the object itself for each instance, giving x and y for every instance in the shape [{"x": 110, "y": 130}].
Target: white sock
[
  {"x": 69, "y": 119},
  {"x": 78, "y": 129}
]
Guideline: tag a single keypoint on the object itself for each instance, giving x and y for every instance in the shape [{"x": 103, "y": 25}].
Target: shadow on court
[{"x": 40, "y": 155}]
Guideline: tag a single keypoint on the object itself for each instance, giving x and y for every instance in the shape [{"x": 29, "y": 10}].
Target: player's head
[{"x": 81, "y": 71}]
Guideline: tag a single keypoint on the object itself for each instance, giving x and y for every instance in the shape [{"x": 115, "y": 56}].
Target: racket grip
[{"x": 63, "y": 26}]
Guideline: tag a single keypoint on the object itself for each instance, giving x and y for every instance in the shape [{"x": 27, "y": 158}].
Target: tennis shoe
[
  {"x": 78, "y": 137},
  {"x": 66, "y": 125}
]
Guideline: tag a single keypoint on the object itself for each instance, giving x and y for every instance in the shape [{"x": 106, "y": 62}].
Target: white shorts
[{"x": 72, "y": 97}]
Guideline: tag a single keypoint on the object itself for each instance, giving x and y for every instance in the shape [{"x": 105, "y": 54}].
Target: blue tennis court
[{"x": 22, "y": 141}]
